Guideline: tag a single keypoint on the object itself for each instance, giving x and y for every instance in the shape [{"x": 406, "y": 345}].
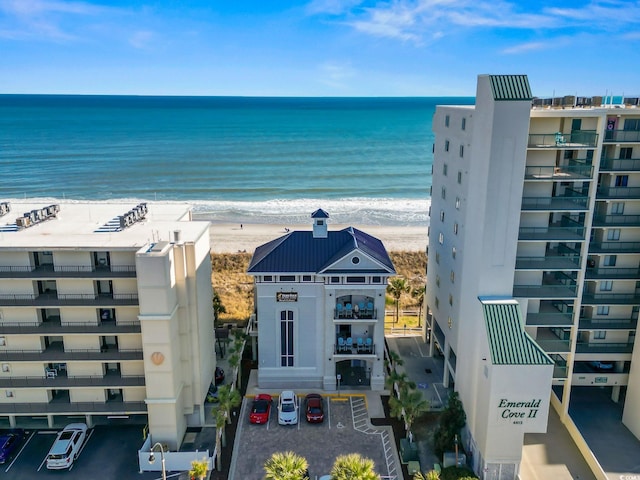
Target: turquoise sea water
[{"x": 365, "y": 160}]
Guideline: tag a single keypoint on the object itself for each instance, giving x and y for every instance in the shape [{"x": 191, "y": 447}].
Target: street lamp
[{"x": 152, "y": 458}]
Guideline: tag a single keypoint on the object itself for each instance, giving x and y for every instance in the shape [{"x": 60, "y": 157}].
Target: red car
[
  {"x": 314, "y": 408},
  {"x": 260, "y": 409}
]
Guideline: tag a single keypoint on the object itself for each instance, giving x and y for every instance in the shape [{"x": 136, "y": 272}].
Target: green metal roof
[
  {"x": 510, "y": 87},
  {"x": 508, "y": 342}
]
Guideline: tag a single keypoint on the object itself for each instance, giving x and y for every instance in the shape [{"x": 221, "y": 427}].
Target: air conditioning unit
[
  {"x": 23, "y": 221},
  {"x": 5, "y": 207}
]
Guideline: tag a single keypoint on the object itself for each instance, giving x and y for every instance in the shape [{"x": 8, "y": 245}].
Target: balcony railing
[
  {"x": 67, "y": 271},
  {"x": 53, "y": 407},
  {"x": 554, "y": 346},
  {"x": 610, "y": 299},
  {"x": 67, "y": 299},
  {"x": 554, "y": 232},
  {"x": 545, "y": 291},
  {"x": 618, "y": 193},
  {"x": 561, "y": 204},
  {"x": 619, "y": 164},
  {"x": 614, "y": 247},
  {"x": 63, "y": 381},
  {"x": 603, "y": 347},
  {"x": 354, "y": 349},
  {"x": 56, "y": 354},
  {"x": 365, "y": 314},
  {"x": 616, "y": 136},
  {"x": 55, "y": 327},
  {"x": 574, "y": 140},
  {"x": 616, "y": 220},
  {"x": 560, "y": 174},
  {"x": 560, "y": 371},
  {"x": 550, "y": 262},
  {"x": 607, "y": 323},
  {"x": 545, "y": 319},
  {"x": 611, "y": 273}
]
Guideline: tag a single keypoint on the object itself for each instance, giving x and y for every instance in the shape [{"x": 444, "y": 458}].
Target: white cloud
[
  {"x": 142, "y": 39},
  {"x": 527, "y": 47},
  {"x": 336, "y": 75}
]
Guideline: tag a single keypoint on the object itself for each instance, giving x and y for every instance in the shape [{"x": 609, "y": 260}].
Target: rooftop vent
[
  {"x": 5, "y": 207},
  {"x": 38, "y": 215},
  {"x": 136, "y": 214}
]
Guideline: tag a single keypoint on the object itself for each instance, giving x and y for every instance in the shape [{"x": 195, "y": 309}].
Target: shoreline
[{"x": 230, "y": 238}]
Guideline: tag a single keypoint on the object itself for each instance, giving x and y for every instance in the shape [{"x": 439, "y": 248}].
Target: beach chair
[
  {"x": 360, "y": 345},
  {"x": 349, "y": 310},
  {"x": 339, "y": 310},
  {"x": 369, "y": 345},
  {"x": 361, "y": 306},
  {"x": 370, "y": 309},
  {"x": 349, "y": 345},
  {"x": 341, "y": 345}
]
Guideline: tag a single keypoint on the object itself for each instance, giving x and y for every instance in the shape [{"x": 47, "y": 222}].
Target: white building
[
  {"x": 105, "y": 311},
  {"x": 535, "y": 202},
  {"x": 320, "y": 300}
]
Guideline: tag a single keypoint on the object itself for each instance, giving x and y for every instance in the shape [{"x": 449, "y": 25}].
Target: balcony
[
  {"x": 554, "y": 345},
  {"x": 549, "y": 262},
  {"x": 577, "y": 139},
  {"x": 616, "y": 221},
  {"x": 603, "y": 347},
  {"x": 341, "y": 314},
  {"x": 560, "y": 204},
  {"x": 601, "y": 323},
  {"x": 55, "y": 353},
  {"x": 618, "y": 193},
  {"x": 62, "y": 381},
  {"x": 79, "y": 408},
  {"x": 68, "y": 271},
  {"x": 68, "y": 299},
  {"x": 56, "y": 327},
  {"x": 550, "y": 315},
  {"x": 554, "y": 285},
  {"x": 611, "y": 273},
  {"x": 560, "y": 174},
  {"x": 344, "y": 347},
  {"x": 610, "y": 299},
  {"x": 620, "y": 136},
  {"x": 619, "y": 164},
  {"x": 614, "y": 247},
  {"x": 558, "y": 231}
]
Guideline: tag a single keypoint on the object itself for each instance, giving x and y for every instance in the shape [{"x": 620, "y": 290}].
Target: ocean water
[{"x": 238, "y": 159}]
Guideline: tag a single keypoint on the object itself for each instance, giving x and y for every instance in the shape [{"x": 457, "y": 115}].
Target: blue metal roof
[
  {"x": 300, "y": 252},
  {"x": 320, "y": 213}
]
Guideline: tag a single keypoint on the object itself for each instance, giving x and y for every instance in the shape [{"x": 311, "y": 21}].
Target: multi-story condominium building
[
  {"x": 320, "y": 298},
  {"x": 535, "y": 204},
  {"x": 105, "y": 311}
]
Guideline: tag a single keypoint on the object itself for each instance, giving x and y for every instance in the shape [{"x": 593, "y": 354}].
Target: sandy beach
[{"x": 230, "y": 238}]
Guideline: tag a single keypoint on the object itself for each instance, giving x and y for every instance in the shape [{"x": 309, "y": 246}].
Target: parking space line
[
  {"x": 329, "y": 412},
  {"x": 18, "y": 454}
]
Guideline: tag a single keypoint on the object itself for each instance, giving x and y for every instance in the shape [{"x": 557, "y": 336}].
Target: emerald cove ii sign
[
  {"x": 517, "y": 412},
  {"x": 287, "y": 297}
]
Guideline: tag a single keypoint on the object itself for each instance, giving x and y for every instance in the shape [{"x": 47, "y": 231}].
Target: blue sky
[{"x": 318, "y": 47}]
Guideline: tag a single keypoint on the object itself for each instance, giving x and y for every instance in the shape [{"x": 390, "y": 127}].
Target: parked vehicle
[
  {"x": 287, "y": 408},
  {"x": 602, "y": 365},
  {"x": 314, "y": 408},
  {"x": 66, "y": 448},
  {"x": 9, "y": 442},
  {"x": 260, "y": 409},
  {"x": 219, "y": 377},
  {"x": 212, "y": 394}
]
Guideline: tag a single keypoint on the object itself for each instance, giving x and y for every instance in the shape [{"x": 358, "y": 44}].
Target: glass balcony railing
[
  {"x": 616, "y": 136},
  {"x": 574, "y": 140},
  {"x": 604, "y": 347},
  {"x": 614, "y": 247},
  {"x": 610, "y": 299},
  {"x": 73, "y": 408},
  {"x": 600, "y": 323},
  {"x": 545, "y": 291},
  {"x": 549, "y": 262},
  {"x": 619, "y": 164},
  {"x": 614, "y": 193},
  {"x": 67, "y": 271},
  {"x": 68, "y": 299},
  {"x": 563, "y": 173},
  {"x": 546, "y": 319},
  {"x": 616, "y": 221},
  {"x": 562, "y": 204},
  {"x": 611, "y": 273},
  {"x": 554, "y": 346},
  {"x": 553, "y": 232}
]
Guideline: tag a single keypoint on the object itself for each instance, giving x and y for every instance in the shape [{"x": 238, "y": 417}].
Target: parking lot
[
  {"x": 108, "y": 452},
  {"x": 346, "y": 429}
]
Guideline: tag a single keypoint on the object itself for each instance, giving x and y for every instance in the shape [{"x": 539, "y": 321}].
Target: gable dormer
[{"x": 320, "y": 218}]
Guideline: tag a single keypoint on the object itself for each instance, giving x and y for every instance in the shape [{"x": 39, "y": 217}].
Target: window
[
  {"x": 268, "y": 278},
  {"x": 603, "y": 310},
  {"x": 376, "y": 280},
  {"x": 320, "y": 222},
  {"x": 6, "y": 368},
  {"x": 568, "y": 154},
  {"x": 622, "y": 180},
  {"x": 335, "y": 279},
  {"x": 356, "y": 280},
  {"x": 437, "y": 302},
  {"x": 464, "y": 123},
  {"x": 451, "y": 300},
  {"x": 438, "y": 258},
  {"x": 461, "y": 150},
  {"x": 632, "y": 124},
  {"x": 599, "y": 334},
  {"x": 9, "y": 393},
  {"x": 613, "y": 234},
  {"x": 453, "y": 252},
  {"x": 446, "y": 145},
  {"x": 3, "y": 341},
  {"x": 610, "y": 260},
  {"x": 626, "y": 153},
  {"x": 452, "y": 276},
  {"x": 442, "y": 215},
  {"x": 606, "y": 286},
  {"x": 286, "y": 338},
  {"x": 455, "y": 228},
  {"x": 437, "y": 280},
  {"x": 617, "y": 208},
  {"x": 306, "y": 278},
  {"x": 444, "y": 169},
  {"x": 440, "y": 238},
  {"x": 460, "y": 177},
  {"x": 444, "y": 193},
  {"x": 446, "y": 121},
  {"x": 576, "y": 124},
  {"x": 287, "y": 278},
  {"x": 457, "y": 203},
  {"x": 355, "y": 260}
]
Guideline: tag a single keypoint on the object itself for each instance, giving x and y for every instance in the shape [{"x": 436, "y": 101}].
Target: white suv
[
  {"x": 288, "y": 408},
  {"x": 66, "y": 448}
]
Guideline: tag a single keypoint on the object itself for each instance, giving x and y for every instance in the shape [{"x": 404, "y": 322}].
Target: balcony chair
[
  {"x": 349, "y": 345},
  {"x": 339, "y": 310},
  {"x": 370, "y": 308},
  {"x": 361, "y": 306},
  {"x": 369, "y": 345},
  {"x": 349, "y": 310},
  {"x": 360, "y": 345},
  {"x": 341, "y": 345}
]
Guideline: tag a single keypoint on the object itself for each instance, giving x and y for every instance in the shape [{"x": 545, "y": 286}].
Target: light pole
[{"x": 152, "y": 458}]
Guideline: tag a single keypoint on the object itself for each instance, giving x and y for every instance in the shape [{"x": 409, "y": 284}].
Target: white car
[
  {"x": 288, "y": 408},
  {"x": 66, "y": 448}
]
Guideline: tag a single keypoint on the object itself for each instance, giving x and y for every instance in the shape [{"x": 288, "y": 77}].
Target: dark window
[
  {"x": 376, "y": 280},
  {"x": 632, "y": 124},
  {"x": 306, "y": 278},
  {"x": 286, "y": 338},
  {"x": 464, "y": 123},
  {"x": 356, "y": 280},
  {"x": 622, "y": 180},
  {"x": 335, "y": 279},
  {"x": 446, "y": 121},
  {"x": 625, "y": 153},
  {"x": 268, "y": 278},
  {"x": 287, "y": 278}
]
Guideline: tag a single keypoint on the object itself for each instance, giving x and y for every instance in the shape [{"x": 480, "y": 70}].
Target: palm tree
[
  {"x": 286, "y": 466},
  {"x": 218, "y": 308},
  {"x": 353, "y": 467},
  {"x": 234, "y": 363},
  {"x": 418, "y": 294},
  {"x": 397, "y": 286},
  {"x": 409, "y": 406},
  {"x": 430, "y": 475},
  {"x": 199, "y": 468},
  {"x": 228, "y": 399},
  {"x": 400, "y": 379},
  {"x": 221, "y": 421}
]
